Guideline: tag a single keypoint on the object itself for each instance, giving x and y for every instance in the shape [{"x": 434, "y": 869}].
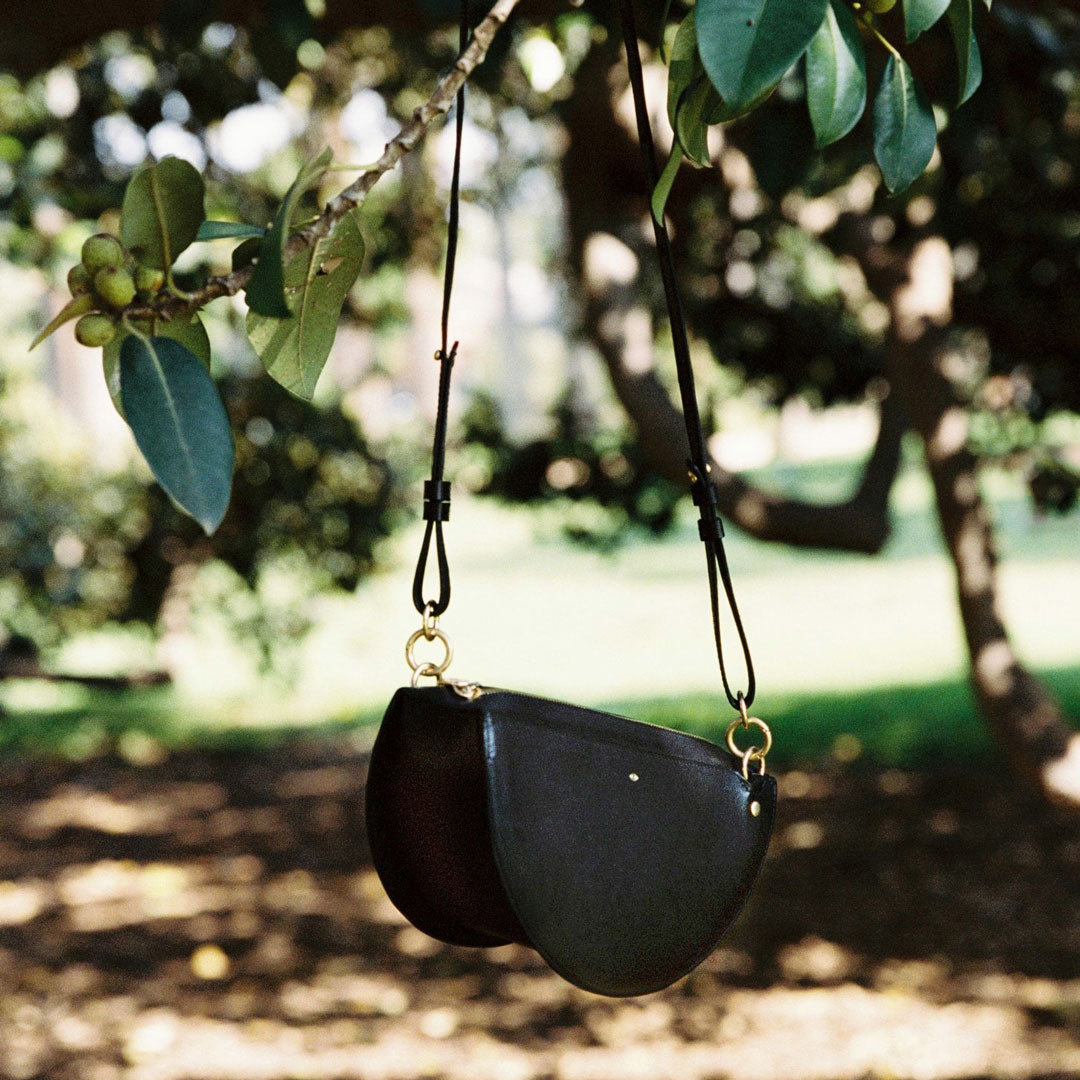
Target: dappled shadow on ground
[{"x": 213, "y": 916}]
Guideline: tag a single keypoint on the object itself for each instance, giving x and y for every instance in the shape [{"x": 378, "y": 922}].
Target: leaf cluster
[
  {"x": 157, "y": 371},
  {"x": 729, "y": 56}
]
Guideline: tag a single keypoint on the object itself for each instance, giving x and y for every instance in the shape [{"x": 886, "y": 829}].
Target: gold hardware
[
  {"x": 470, "y": 691},
  {"x": 429, "y": 631},
  {"x": 431, "y": 621},
  {"x": 751, "y": 753},
  {"x": 634, "y": 776},
  {"x": 423, "y": 671},
  {"x": 755, "y": 809}
]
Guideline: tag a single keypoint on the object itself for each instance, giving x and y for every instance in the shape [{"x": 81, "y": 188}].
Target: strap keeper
[
  {"x": 710, "y": 529},
  {"x": 436, "y": 500}
]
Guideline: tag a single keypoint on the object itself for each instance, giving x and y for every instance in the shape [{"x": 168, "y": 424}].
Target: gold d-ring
[
  {"x": 752, "y": 753},
  {"x": 424, "y": 667}
]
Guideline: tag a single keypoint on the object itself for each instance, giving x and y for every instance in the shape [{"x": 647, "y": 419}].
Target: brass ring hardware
[
  {"x": 743, "y": 718},
  {"x": 423, "y": 672},
  {"x": 431, "y": 621},
  {"x": 751, "y": 753},
  {"x": 427, "y": 667}
]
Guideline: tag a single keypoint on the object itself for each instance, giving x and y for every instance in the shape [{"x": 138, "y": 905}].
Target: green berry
[
  {"x": 95, "y": 330},
  {"x": 101, "y": 251},
  {"x": 79, "y": 280},
  {"x": 115, "y": 286},
  {"x": 879, "y": 7},
  {"x": 148, "y": 281}
]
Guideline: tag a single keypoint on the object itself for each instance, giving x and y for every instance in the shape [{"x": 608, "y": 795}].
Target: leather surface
[
  {"x": 427, "y": 821},
  {"x": 514, "y": 818},
  {"x": 622, "y": 885}
]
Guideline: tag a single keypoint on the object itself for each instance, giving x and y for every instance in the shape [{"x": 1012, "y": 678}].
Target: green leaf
[
  {"x": 189, "y": 333},
  {"x": 294, "y": 350},
  {"x": 691, "y": 130},
  {"x": 693, "y": 102},
  {"x": 227, "y": 230},
  {"x": 904, "y": 128},
  {"x": 748, "y": 45},
  {"x": 836, "y": 75},
  {"x": 719, "y": 112},
  {"x": 968, "y": 61},
  {"x": 73, "y": 309},
  {"x": 162, "y": 211},
  {"x": 685, "y": 65},
  {"x": 266, "y": 289},
  {"x": 663, "y": 185},
  {"x": 920, "y": 15},
  {"x": 180, "y": 425}
]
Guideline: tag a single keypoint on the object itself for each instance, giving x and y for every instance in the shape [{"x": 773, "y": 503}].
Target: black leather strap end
[
  {"x": 436, "y": 500},
  {"x": 710, "y": 529}
]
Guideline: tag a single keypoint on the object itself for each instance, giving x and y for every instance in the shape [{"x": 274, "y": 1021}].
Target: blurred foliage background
[{"x": 790, "y": 257}]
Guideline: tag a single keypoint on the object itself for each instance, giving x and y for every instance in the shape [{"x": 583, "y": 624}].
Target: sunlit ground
[{"x": 214, "y": 916}]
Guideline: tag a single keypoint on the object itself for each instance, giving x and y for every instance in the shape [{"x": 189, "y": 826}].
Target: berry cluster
[{"x": 110, "y": 279}]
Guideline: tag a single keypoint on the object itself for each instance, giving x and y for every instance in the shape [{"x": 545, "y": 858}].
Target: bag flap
[
  {"x": 427, "y": 823},
  {"x": 625, "y": 849}
]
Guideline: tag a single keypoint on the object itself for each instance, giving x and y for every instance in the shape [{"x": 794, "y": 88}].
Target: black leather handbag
[{"x": 620, "y": 851}]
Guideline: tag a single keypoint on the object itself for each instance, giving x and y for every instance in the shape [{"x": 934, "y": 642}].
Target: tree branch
[{"x": 170, "y": 307}]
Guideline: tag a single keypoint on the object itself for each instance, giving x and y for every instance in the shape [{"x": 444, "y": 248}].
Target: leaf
[
  {"x": 266, "y": 289},
  {"x": 180, "y": 425},
  {"x": 294, "y": 350},
  {"x": 691, "y": 130},
  {"x": 663, "y": 185},
  {"x": 693, "y": 102},
  {"x": 162, "y": 211},
  {"x": 191, "y": 334},
  {"x": 748, "y": 45},
  {"x": 227, "y": 230},
  {"x": 73, "y": 309},
  {"x": 836, "y": 75},
  {"x": 968, "y": 61},
  {"x": 920, "y": 15},
  {"x": 904, "y": 128},
  {"x": 685, "y": 65}
]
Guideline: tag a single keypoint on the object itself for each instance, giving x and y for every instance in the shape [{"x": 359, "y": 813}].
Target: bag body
[{"x": 620, "y": 851}]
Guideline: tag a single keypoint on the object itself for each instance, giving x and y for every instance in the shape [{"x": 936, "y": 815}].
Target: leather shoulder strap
[
  {"x": 437, "y": 490},
  {"x": 710, "y": 527}
]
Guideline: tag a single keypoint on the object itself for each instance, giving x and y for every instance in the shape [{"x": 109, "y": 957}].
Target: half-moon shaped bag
[{"x": 620, "y": 851}]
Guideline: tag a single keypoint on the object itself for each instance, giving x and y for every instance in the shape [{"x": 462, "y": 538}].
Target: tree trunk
[
  {"x": 603, "y": 193},
  {"x": 1021, "y": 712}
]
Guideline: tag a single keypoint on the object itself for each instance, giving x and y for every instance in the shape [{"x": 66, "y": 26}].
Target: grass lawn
[{"x": 867, "y": 651}]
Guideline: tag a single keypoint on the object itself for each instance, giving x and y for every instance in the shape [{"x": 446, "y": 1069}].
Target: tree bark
[{"x": 1027, "y": 721}]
